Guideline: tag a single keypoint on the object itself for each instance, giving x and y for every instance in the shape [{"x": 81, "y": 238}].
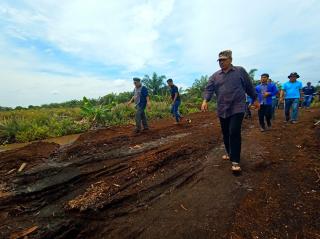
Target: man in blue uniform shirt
[{"x": 265, "y": 93}]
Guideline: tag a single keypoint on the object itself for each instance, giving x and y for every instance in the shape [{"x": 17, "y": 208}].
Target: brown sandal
[
  {"x": 225, "y": 157},
  {"x": 236, "y": 168}
]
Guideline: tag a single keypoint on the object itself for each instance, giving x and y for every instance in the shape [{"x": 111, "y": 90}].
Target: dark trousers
[
  {"x": 231, "y": 130},
  {"x": 265, "y": 112},
  {"x": 141, "y": 118}
]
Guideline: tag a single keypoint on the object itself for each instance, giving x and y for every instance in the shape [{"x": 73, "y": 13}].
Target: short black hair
[
  {"x": 169, "y": 80},
  {"x": 265, "y": 74},
  {"x": 136, "y": 79}
]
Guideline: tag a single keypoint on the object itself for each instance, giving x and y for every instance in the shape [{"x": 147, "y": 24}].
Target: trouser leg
[
  {"x": 295, "y": 109},
  {"x": 144, "y": 118},
  {"x": 224, "y": 122},
  {"x": 287, "y": 107},
  {"x": 261, "y": 113},
  {"x": 235, "y": 137},
  {"x": 138, "y": 118},
  {"x": 268, "y": 114}
]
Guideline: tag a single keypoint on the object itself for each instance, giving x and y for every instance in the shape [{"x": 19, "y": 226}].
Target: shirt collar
[{"x": 231, "y": 69}]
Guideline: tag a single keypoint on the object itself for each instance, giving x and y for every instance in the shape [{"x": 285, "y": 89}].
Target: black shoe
[{"x": 145, "y": 129}]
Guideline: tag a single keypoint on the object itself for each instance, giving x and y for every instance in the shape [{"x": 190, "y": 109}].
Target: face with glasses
[{"x": 225, "y": 63}]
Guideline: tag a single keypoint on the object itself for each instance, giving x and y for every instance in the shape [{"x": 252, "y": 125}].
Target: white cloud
[
  {"x": 174, "y": 37},
  {"x": 27, "y": 80},
  {"x": 266, "y": 34},
  {"x": 114, "y": 32},
  {"x": 35, "y": 89}
]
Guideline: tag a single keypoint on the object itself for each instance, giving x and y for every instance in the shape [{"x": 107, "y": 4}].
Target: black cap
[
  {"x": 170, "y": 80},
  {"x": 136, "y": 79},
  {"x": 265, "y": 74},
  {"x": 293, "y": 74}
]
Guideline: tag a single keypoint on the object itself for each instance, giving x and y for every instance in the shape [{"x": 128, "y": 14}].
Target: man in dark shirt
[
  {"x": 141, "y": 100},
  {"x": 176, "y": 100},
  {"x": 308, "y": 92},
  {"x": 230, "y": 84}
]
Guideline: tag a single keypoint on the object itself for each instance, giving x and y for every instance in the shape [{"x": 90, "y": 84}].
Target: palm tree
[
  {"x": 155, "y": 84},
  {"x": 252, "y": 74},
  {"x": 198, "y": 86}
]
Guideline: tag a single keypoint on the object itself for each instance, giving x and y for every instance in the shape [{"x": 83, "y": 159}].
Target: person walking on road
[
  {"x": 141, "y": 100},
  {"x": 230, "y": 84},
  {"x": 265, "y": 93},
  {"x": 176, "y": 100},
  {"x": 275, "y": 102},
  {"x": 291, "y": 94},
  {"x": 308, "y": 92}
]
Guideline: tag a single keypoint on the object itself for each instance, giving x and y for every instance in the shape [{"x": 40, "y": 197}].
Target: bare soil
[{"x": 169, "y": 182}]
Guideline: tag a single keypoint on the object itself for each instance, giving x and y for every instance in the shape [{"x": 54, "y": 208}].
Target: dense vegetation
[{"x": 57, "y": 119}]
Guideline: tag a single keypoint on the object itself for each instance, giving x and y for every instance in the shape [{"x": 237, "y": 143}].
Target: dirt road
[{"x": 169, "y": 182}]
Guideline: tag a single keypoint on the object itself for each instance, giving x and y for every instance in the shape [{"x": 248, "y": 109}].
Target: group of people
[
  {"x": 142, "y": 101},
  {"x": 292, "y": 96},
  {"x": 236, "y": 95}
]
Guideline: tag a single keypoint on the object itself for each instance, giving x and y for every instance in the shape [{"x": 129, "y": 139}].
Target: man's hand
[
  {"x": 148, "y": 105},
  {"x": 266, "y": 94},
  {"x": 255, "y": 105},
  {"x": 129, "y": 103},
  {"x": 204, "y": 106}
]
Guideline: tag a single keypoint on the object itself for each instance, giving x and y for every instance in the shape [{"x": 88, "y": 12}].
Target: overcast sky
[{"x": 53, "y": 51}]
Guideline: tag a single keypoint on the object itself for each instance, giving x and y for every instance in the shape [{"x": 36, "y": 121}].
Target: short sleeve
[
  {"x": 144, "y": 91},
  {"x": 284, "y": 86}
]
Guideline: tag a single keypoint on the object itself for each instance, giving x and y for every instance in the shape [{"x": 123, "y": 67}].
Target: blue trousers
[
  {"x": 294, "y": 104},
  {"x": 175, "y": 110},
  {"x": 307, "y": 100},
  {"x": 274, "y": 106}
]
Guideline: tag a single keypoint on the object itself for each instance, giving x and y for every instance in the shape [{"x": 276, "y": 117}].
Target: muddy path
[{"x": 168, "y": 182}]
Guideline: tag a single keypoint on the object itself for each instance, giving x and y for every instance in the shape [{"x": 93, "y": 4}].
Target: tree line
[{"x": 156, "y": 85}]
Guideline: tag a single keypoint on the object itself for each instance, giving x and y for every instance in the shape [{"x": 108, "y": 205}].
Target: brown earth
[{"x": 169, "y": 182}]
